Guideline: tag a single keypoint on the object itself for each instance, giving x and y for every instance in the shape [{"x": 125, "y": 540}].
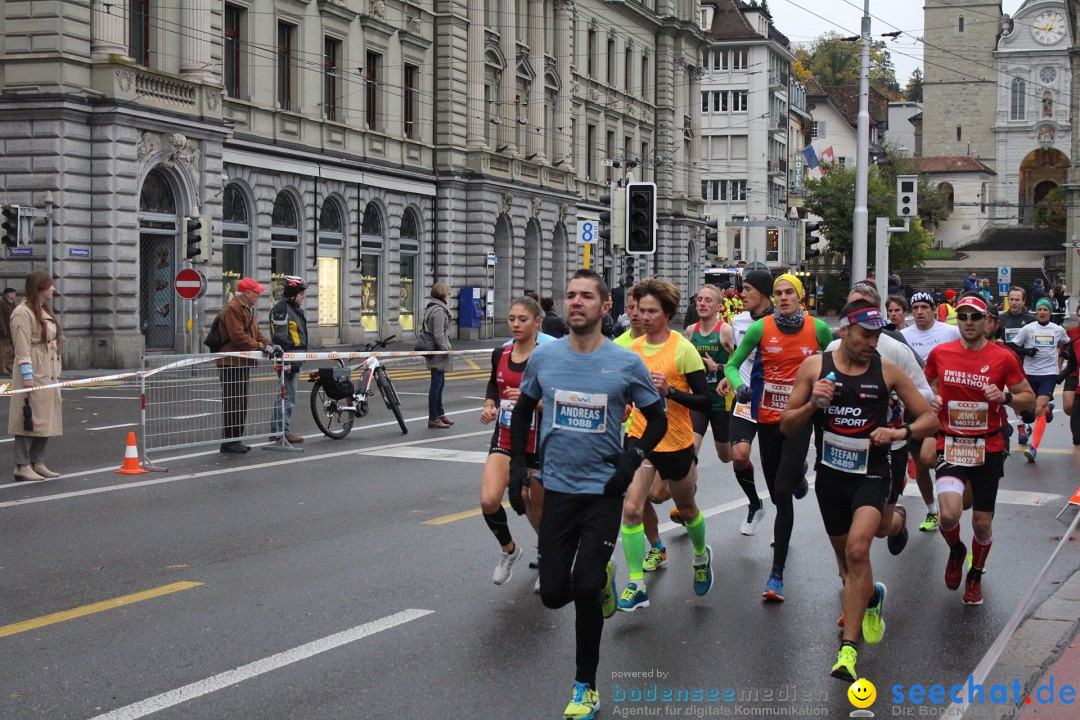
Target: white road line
[
  {"x": 9, "y": 439},
  {"x": 259, "y": 667},
  {"x": 412, "y": 393},
  {"x": 110, "y": 397},
  {"x": 411, "y": 453},
  {"x": 111, "y": 427},
  {"x": 1009, "y": 497}
]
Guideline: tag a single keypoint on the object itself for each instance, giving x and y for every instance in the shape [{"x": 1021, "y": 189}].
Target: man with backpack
[{"x": 288, "y": 328}]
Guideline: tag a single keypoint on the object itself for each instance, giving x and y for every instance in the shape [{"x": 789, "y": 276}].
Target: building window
[
  {"x": 590, "y": 151},
  {"x": 736, "y": 244},
  {"x": 331, "y": 57},
  {"x": 139, "y": 31},
  {"x": 961, "y": 29},
  {"x": 410, "y": 248},
  {"x": 371, "y": 70},
  {"x": 284, "y": 237},
  {"x": 719, "y": 59},
  {"x": 1048, "y": 104},
  {"x": 738, "y": 101},
  {"x": 610, "y": 153},
  {"x": 738, "y": 189},
  {"x": 817, "y": 129},
  {"x": 285, "y": 65},
  {"x": 412, "y": 73},
  {"x": 947, "y": 190},
  {"x": 738, "y": 59},
  {"x": 371, "y": 246},
  {"x": 235, "y": 240},
  {"x": 611, "y": 61},
  {"x": 590, "y": 48},
  {"x": 958, "y": 133},
  {"x": 772, "y": 245},
  {"x": 628, "y": 70},
  {"x": 331, "y": 241},
  {"x": 646, "y": 89},
  {"x": 234, "y": 18},
  {"x": 1016, "y": 101}
]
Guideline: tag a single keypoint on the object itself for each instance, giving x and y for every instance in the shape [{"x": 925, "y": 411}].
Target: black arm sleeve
[
  {"x": 1069, "y": 354},
  {"x": 492, "y": 392},
  {"x": 655, "y": 429},
  {"x": 699, "y": 400},
  {"x": 521, "y": 421}
]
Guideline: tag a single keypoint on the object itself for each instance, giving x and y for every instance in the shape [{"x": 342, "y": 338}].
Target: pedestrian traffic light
[
  {"x": 613, "y": 221},
  {"x": 11, "y": 225},
  {"x": 809, "y": 241},
  {"x": 197, "y": 238},
  {"x": 641, "y": 218},
  {"x": 631, "y": 269}
]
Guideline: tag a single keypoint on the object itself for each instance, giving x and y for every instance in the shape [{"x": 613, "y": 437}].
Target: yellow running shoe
[
  {"x": 845, "y": 664},
  {"x": 584, "y": 703}
]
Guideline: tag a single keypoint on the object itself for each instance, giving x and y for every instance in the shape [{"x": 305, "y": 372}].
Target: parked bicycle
[{"x": 336, "y": 402}]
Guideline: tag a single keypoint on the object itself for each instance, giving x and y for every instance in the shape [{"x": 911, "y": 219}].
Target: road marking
[
  {"x": 95, "y": 608},
  {"x": 410, "y": 453},
  {"x": 473, "y": 364},
  {"x": 1009, "y": 497},
  {"x": 445, "y": 519},
  {"x": 111, "y": 427},
  {"x": 231, "y": 471},
  {"x": 259, "y": 667}
]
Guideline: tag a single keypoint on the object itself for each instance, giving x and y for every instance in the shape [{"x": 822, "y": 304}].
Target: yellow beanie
[{"x": 793, "y": 280}]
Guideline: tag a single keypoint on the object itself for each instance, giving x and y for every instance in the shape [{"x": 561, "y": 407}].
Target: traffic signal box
[
  {"x": 197, "y": 247},
  {"x": 641, "y": 218},
  {"x": 613, "y": 221},
  {"x": 809, "y": 241},
  {"x": 11, "y": 225}
]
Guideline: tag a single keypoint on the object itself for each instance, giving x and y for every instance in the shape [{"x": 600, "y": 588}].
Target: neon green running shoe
[
  {"x": 584, "y": 703},
  {"x": 607, "y": 595},
  {"x": 873, "y": 624},
  {"x": 845, "y": 664},
  {"x": 655, "y": 558},
  {"x": 930, "y": 523}
]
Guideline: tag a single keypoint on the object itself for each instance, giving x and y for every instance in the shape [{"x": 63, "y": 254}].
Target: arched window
[
  {"x": 370, "y": 259},
  {"x": 284, "y": 237},
  {"x": 1016, "y": 102},
  {"x": 410, "y": 248},
  {"x": 330, "y": 224},
  {"x": 235, "y": 239},
  {"x": 331, "y": 243},
  {"x": 157, "y": 195},
  {"x": 947, "y": 190}
]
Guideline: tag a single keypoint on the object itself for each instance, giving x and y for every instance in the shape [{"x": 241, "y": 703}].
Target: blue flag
[{"x": 811, "y": 157}]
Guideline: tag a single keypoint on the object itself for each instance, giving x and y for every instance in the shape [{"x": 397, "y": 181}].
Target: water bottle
[{"x": 823, "y": 402}]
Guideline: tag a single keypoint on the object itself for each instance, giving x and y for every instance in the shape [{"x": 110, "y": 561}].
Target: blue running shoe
[
  {"x": 703, "y": 574},
  {"x": 774, "y": 588},
  {"x": 584, "y": 703},
  {"x": 1031, "y": 454},
  {"x": 633, "y": 598},
  {"x": 1049, "y": 413}
]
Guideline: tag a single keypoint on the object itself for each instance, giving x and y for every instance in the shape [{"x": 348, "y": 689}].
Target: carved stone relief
[
  {"x": 507, "y": 201},
  {"x": 537, "y": 203},
  {"x": 564, "y": 210},
  {"x": 124, "y": 80},
  {"x": 413, "y": 26},
  {"x": 377, "y": 9}
]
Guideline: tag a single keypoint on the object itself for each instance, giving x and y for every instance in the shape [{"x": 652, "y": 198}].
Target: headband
[
  {"x": 923, "y": 297},
  {"x": 1043, "y": 301}
]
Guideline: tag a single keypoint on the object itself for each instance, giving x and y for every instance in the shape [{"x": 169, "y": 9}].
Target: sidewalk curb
[{"x": 1031, "y": 653}]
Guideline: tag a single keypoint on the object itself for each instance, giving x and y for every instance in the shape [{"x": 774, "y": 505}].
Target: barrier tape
[{"x": 6, "y": 390}]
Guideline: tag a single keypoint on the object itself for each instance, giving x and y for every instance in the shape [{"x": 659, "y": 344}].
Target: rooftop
[{"x": 951, "y": 164}]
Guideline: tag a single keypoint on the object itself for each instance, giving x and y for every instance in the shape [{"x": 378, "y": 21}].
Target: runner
[
  {"x": 1068, "y": 375},
  {"x": 926, "y": 334},
  {"x": 782, "y": 340},
  {"x": 854, "y": 478},
  {"x": 897, "y": 308},
  {"x": 585, "y": 383},
  {"x": 1011, "y": 322},
  {"x": 507, "y": 365},
  {"x": 757, "y": 299},
  {"x": 1038, "y": 344},
  {"x": 678, "y": 373}
]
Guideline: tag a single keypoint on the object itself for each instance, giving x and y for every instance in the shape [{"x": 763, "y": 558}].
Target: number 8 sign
[{"x": 588, "y": 229}]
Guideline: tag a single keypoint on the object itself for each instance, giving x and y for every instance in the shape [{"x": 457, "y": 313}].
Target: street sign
[
  {"x": 1004, "y": 274},
  {"x": 79, "y": 252},
  {"x": 607, "y": 162},
  {"x": 1003, "y": 289},
  {"x": 588, "y": 229},
  {"x": 190, "y": 284},
  {"x": 21, "y": 252}
]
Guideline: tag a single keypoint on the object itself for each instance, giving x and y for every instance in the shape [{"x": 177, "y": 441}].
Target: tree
[
  {"x": 834, "y": 61},
  {"x": 913, "y": 89},
  {"x": 1051, "y": 211}
]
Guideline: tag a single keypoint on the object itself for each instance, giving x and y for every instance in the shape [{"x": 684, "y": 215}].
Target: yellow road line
[
  {"x": 457, "y": 516},
  {"x": 94, "y": 608},
  {"x": 472, "y": 364}
]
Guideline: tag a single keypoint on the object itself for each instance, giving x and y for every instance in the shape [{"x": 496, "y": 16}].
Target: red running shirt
[
  {"x": 508, "y": 377},
  {"x": 1074, "y": 336},
  {"x": 961, "y": 375}
]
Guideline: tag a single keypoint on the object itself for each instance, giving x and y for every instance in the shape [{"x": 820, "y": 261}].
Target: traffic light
[
  {"x": 712, "y": 238},
  {"x": 197, "y": 238},
  {"x": 641, "y": 218},
  {"x": 907, "y": 196},
  {"x": 631, "y": 269},
  {"x": 809, "y": 241},
  {"x": 11, "y": 225},
  {"x": 613, "y": 221}
]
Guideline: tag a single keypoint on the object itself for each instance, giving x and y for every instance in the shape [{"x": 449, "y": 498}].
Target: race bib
[
  {"x": 506, "y": 409},
  {"x": 1044, "y": 340},
  {"x": 968, "y": 415},
  {"x": 965, "y": 451},
  {"x": 742, "y": 410},
  {"x": 580, "y": 412},
  {"x": 1011, "y": 333},
  {"x": 775, "y": 396},
  {"x": 849, "y": 455}
]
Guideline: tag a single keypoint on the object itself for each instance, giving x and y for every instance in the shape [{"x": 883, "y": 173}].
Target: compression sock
[
  {"x": 932, "y": 508},
  {"x": 696, "y": 530},
  {"x": 875, "y": 598},
  {"x": 746, "y": 482},
  {"x": 659, "y": 545},
  {"x": 1037, "y": 433},
  {"x": 952, "y": 536},
  {"x": 979, "y": 551},
  {"x": 633, "y": 542},
  {"x": 496, "y": 522}
]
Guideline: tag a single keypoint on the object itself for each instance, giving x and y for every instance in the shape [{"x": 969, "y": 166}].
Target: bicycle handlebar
[{"x": 370, "y": 347}]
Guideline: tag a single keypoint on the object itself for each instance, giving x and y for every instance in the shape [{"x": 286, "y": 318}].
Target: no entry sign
[{"x": 190, "y": 284}]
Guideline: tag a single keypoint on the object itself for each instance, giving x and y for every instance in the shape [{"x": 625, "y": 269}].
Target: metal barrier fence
[{"x": 190, "y": 400}]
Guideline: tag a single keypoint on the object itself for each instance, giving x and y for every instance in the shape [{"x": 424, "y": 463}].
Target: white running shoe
[
  {"x": 505, "y": 568},
  {"x": 753, "y": 519}
]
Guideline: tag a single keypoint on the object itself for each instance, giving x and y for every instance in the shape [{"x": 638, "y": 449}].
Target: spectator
[
  {"x": 239, "y": 333},
  {"x": 937, "y": 296},
  {"x": 1038, "y": 291},
  {"x": 618, "y": 301},
  {"x": 971, "y": 282},
  {"x": 37, "y": 416},
  {"x": 1060, "y": 301},
  {"x": 895, "y": 286},
  {"x": 946, "y": 311},
  {"x": 7, "y": 350},
  {"x": 437, "y": 322},
  {"x": 553, "y": 324},
  {"x": 691, "y": 316},
  {"x": 984, "y": 290},
  {"x": 288, "y": 328},
  {"x": 897, "y": 308}
]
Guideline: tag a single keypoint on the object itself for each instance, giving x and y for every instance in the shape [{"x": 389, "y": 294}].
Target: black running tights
[{"x": 782, "y": 461}]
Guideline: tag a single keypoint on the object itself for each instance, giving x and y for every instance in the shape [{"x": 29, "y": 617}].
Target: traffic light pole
[{"x": 881, "y": 255}]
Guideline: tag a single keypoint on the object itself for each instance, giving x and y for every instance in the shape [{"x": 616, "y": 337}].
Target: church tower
[{"x": 960, "y": 90}]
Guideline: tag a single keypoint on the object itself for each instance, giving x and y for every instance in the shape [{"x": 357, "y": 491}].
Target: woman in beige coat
[{"x": 35, "y": 334}]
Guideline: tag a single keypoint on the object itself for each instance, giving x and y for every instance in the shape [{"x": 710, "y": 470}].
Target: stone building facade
[{"x": 372, "y": 146}]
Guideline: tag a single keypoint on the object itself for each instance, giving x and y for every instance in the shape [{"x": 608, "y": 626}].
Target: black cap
[
  {"x": 760, "y": 280},
  {"x": 7, "y": 290}
]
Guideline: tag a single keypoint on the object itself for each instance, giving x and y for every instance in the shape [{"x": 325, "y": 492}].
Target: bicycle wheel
[
  {"x": 333, "y": 422},
  {"x": 390, "y": 397}
]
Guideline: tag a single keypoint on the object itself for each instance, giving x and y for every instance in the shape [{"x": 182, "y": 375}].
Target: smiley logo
[{"x": 862, "y": 693}]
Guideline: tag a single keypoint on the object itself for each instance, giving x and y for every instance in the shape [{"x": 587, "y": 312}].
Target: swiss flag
[{"x": 828, "y": 157}]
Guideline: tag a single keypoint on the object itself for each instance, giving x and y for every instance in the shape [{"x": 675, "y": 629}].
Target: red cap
[
  {"x": 972, "y": 302},
  {"x": 246, "y": 284},
  {"x": 950, "y": 294}
]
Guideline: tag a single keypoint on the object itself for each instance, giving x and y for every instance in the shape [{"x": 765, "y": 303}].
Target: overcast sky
[{"x": 800, "y": 21}]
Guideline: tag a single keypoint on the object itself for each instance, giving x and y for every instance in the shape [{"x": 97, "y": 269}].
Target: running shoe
[
  {"x": 898, "y": 542},
  {"x": 607, "y": 595},
  {"x": 973, "y": 587},
  {"x": 774, "y": 588},
  {"x": 801, "y": 485},
  {"x": 1049, "y": 413},
  {"x": 753, "y": 519},
  {"x": 676, "y": 517},
  {"x": 930, "y": 523},
  {"x": 584, "y": 703},
  {"x": 505, "y": 569},
  {"x": 873, "y": 624},
  {"x": 954, "y": 568},
  {"x": 633, "y": 598},
  {"x": 1022, "y": 433},
  {"x": 703, "y": 574},
  {"x": 655, "y": 558},
  {"x": 911, "y": 468},
  {"x": 1031, "y": 454},
  {"x": 967, "y": 565},
  {"x": 845, "y": 664}
]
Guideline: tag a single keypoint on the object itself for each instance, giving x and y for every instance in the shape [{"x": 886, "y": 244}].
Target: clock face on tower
[{"x": 1048, "y": 27}]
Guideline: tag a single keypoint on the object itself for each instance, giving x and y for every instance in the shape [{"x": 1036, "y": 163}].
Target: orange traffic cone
[{"x": 131, "y": 458}]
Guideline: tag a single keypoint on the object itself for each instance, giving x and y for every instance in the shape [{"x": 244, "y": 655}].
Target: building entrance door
[{"x": 157, "y": 316}]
